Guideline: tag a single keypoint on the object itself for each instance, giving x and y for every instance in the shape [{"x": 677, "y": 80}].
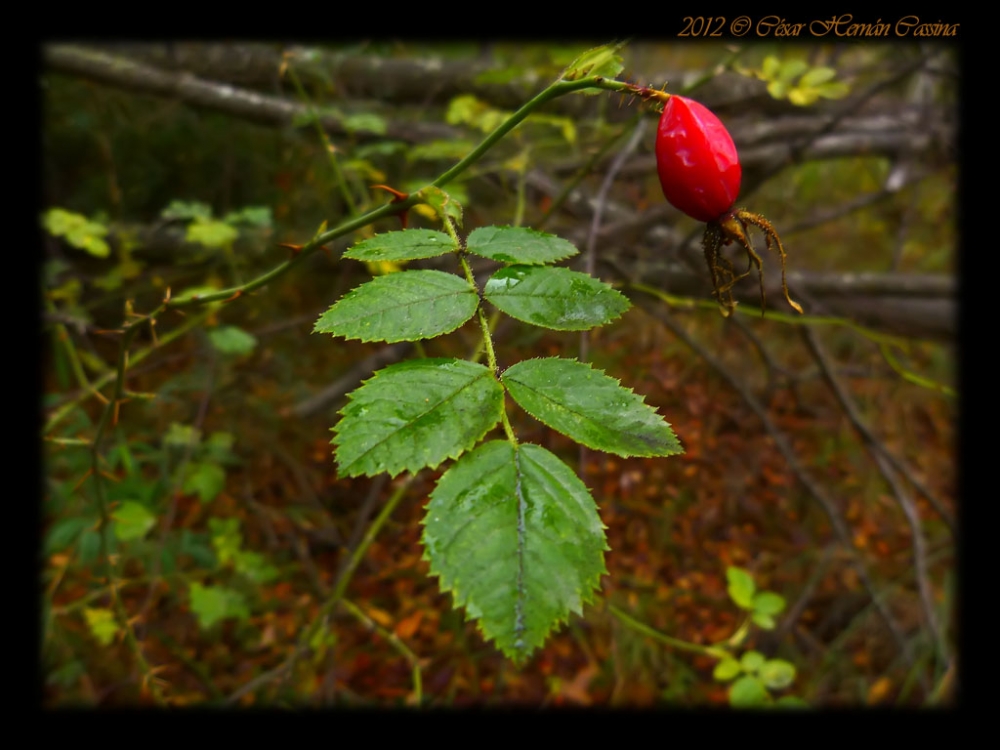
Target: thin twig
[
  {"x": 840, "y": 527},
  {"x": 880, "y": 453},
  {"x": 590, "y": 259},
  {"x": 320, "y": 621}
]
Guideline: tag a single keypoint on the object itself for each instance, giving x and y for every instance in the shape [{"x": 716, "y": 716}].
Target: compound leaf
[
  {"x": 599, "y": 61},
  {"x": 416, "y": 414},
  {"x": 590, "y": 407},
  {"x": 407, "y": 244},
  {"x": 515, "y": 536},
  {"x": 554, "y": 297},
  {"x": 404, "y": 306},
  {"x": 518, "y": 245}
]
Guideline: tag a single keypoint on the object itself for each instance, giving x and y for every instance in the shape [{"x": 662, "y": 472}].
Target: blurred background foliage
[{"x": 228, "y": 526}]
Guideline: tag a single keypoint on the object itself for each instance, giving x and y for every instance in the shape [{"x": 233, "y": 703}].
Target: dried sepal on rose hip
[{"x": 700, "y": 174}]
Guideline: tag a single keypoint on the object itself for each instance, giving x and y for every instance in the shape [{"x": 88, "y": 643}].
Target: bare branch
[
  {"x": 840, "y": 527},
  {"x": 262, "y": 108}
]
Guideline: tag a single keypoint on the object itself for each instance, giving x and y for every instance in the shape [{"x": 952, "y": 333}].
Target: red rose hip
[{"x": 696, "y": 159}]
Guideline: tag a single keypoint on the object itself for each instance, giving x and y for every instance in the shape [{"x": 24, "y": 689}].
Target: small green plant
[
  {"x": 510, "y": 530},
  {"x": 798, "y": 82},
  {"x": 79, "y": 231},
  {"x": 754, "y": 676}
]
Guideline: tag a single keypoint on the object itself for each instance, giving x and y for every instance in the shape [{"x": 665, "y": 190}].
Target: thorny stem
[
  {"x": 110, "y": 409},
  {"x": 109, "y": 414}
]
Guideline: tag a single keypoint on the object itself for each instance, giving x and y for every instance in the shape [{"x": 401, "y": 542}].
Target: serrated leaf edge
[
  {"x": 489, "y": 298},
  {"x": 450, "y": 247},
  {"x": 382, "y": 281},
  {"x": 576, "y": 250},
  {"x": 642, "y": 402},
  {"x": 453, "y": 455},
  {"x": 461, "y": 599}
]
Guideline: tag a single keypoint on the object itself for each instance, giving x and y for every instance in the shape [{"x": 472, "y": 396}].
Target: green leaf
[
  {"x": 211, "y": 233},
  {"x": 226, "y": 538},
  {"x": 187, "y": 210},
  {"x": 89, "y": 546},
  {"x": 219, "y": 447},
  {"x": 444, "y": 204},
  {"x": 599, "y": 61},
  {"x": 64, "y": 532},
  {"x": 792, "y": 69},
  {"x": 833, "y": 90},
  {"x": 802, "y": 97},
  {"x": 777, "y": 674},
  {"x": 366, "y": 121},
  {"x": 741, "y": 587},
  {"x": 416, "y": 414},
  {"x": 181, "y": 436},
  {"x": 102, "y": 624},
  {"x": 466, "y": 109},
  {"x": 751, "y": 661},
  {"x": 404, "y": 306},
  {"x": 409, "y": 244},
  {"x": 778, "y": 89},
  {"x": 255, "y": 216},
  {"x": 514, "y": 535},
  {"x": 590, "y": 407},
  {"x": 768, "y": 603},
  {"x": 763, "y": 621},
  {"x": 134, "y": 521},
  {"x": 815, "y": 76},
  {"x": 60, "y": 222},
  {"x": 212, "y": 604},
  {"x": 748, "y": 692},
  {"x": 206, "y": 479},
  {"x": 232, "y": 340},
  {"x": 726, "y": 670},
  {"x": 519, "y": 245},
  {"x": 88, "y": 238},
  {"x": 554, "y": 297},
  {"x": 254, "y": 566},
  {"x": 78, "y": 230}
]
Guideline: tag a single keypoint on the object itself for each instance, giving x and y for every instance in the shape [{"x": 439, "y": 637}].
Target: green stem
[
  {"x": 560, "y": 88},
  {"x": 325, "y": 140},
  {"x": 59, "y": 414},
  {"x": 715, "y": 652},
  {"x": 395, "y": 642}
]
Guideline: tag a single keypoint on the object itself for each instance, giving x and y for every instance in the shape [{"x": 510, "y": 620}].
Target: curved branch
[{"x": 238, "y": 102}]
